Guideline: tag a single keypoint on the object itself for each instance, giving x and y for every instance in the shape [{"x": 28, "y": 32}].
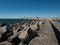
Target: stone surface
[{"x": 5, "y": 43}]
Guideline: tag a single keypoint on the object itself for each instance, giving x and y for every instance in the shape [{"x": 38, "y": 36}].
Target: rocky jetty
[
  {"x": 20, "y": 33},
  {"x": 33, "y": 32}
]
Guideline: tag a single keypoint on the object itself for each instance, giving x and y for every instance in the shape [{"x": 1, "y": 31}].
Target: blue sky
[{"x": 29, "y": 8}]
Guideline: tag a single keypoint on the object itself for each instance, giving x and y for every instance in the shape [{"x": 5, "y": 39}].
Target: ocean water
[
  {"x": 59, "y": 21},
  {"x": 7, "y": 21}
]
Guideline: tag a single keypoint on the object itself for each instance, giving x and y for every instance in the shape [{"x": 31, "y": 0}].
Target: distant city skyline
[{"x": 29, "y": 8}]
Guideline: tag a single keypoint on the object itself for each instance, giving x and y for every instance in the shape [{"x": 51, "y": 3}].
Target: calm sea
[
  {"x": 59, "y": 21},
  {"x": 7, "y": 21}
]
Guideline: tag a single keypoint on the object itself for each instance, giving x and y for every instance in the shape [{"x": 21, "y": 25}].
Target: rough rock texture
[
  {"x": 35, "y": 41},
  {"x": 30, "y": 36},
  {"x": 5, "y": 43}
]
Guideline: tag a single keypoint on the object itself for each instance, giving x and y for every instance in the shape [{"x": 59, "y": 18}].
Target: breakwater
[{"x": 33, "y": 32}]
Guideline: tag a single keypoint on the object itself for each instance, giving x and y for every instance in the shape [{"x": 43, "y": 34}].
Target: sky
[{"x": 29, "y": 8}]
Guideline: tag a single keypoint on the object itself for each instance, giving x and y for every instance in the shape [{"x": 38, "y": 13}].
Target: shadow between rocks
[{"x": 31, "y": 35}]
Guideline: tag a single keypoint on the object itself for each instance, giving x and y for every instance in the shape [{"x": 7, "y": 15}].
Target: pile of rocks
[{"x": 19, "y": 33}]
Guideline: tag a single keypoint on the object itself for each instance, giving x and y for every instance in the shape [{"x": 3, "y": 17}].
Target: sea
[
  {"x": 7, "y": 21},
  {"x": 58, "y": 21}
]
